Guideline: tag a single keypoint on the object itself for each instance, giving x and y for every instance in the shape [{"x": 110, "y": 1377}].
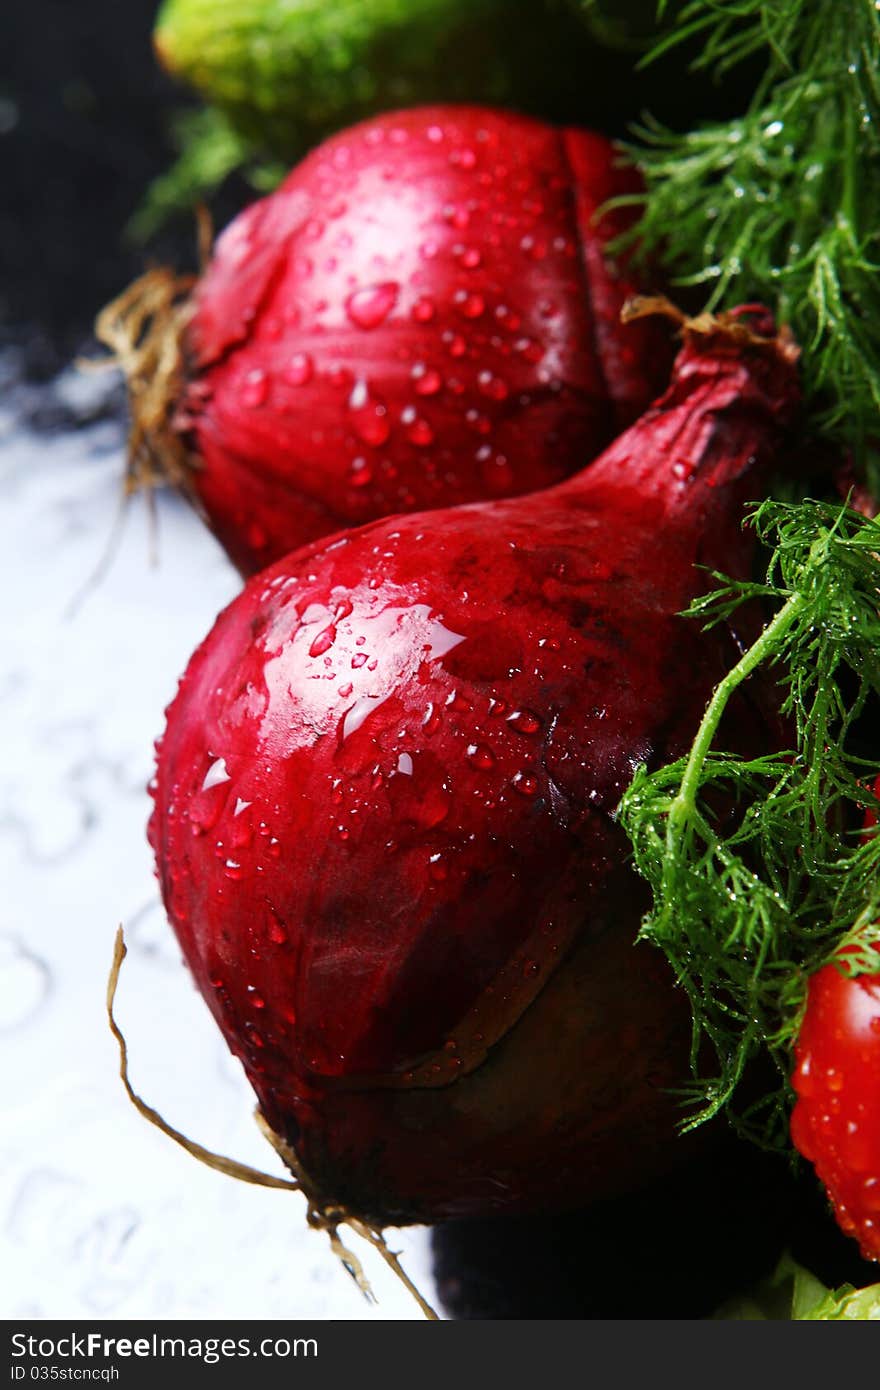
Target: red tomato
[{"x": 836, "y": 1120}]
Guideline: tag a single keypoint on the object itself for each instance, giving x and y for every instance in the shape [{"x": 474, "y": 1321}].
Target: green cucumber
[{"x": 284, "y": 72}]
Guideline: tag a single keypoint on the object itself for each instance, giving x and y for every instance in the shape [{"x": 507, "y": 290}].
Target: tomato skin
[{"x": 836, "y": 1119}]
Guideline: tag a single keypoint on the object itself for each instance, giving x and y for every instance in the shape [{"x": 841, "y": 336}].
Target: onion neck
[{"x": 706, "y": 445}]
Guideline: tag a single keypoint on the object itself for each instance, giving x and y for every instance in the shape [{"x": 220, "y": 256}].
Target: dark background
[
  {"x": 83, "y": 129},
  {"x": 84, "y": 119}
]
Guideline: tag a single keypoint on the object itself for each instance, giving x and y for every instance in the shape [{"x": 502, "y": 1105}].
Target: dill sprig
[
  {"x": 783, "y": 203},
  {"x": 761, "y": 868},
  {"x": 209, "y": 149}
]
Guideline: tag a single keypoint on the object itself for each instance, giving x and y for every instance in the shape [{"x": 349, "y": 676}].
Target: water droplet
[
  {"x": 524, "y": 721},
  {"x": 507, "y": 318},
  {"x": 277, "y": 930},
  {"x": 233, "y": 869},
  {"x": 431, "y": 721},
  {"x": 361, "y": 472},
  {"x": 255, "y": 388},
  {"x": 369, "y": 307},
  {"x": 323, "y": 642},
  {"x": 405, "y": 764},
  {"x": 359, "y": 395},
  {"x": 471, "y": 306},
  {"x": 299, "y": 370},
  {"x": 216, "y": 774},
  {"x": 371, "y": 423},
  {"x": 871, "y": 1194},
  {"x": 529, "y": 348},
  {"x": 457, "y": 217},
  {"x": 525, "y": 783},
  {"x": 478, "y": 755},
  {"x": 420, "y": 433},
  {"x": 535, "y": 248},
  {"x": 493, "y": 386},
  {"x": 25, "y": 981},
  {"x": 455, "y": 344},
  {"x": 423, "y": 310},
  {"x": 427, "y": 380},
  {"x": 481, "y": 423},
  {"x": 437, "y": 868},
  {"x": 470, "y": 257}
]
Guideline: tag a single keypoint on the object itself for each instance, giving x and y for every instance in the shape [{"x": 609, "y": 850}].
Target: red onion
[
  {"x": 422, "y": 315},
  {"x": 385, "y": 812}
]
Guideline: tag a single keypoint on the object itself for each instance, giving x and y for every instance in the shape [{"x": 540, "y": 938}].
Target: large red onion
[
  {"x": 384, "y": 812},
  {"x": 422, "y": 315}
]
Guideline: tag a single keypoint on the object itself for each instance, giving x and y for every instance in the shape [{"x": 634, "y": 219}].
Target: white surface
[{"x": 100, "y": 1215}]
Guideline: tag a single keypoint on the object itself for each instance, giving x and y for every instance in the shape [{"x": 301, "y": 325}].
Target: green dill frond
[
  {"x": 734, "y": 32},
  {"x": 783, "y": 203},
  {"x": 760, "y": 869},
  {"x": 209, "y": 150}
]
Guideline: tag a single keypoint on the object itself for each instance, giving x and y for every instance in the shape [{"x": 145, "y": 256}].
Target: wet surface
[
  {"x": 85, "y": 118},
  {"x": 99, "y": 1215}
]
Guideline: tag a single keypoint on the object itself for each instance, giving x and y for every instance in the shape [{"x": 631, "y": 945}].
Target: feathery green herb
[
  {"x": 761, "y": 869},
  {"x": 783, "y": 203},
  {"x": 209, "y": 150}
]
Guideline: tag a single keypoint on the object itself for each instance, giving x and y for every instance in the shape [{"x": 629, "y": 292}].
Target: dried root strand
[
  {"x": 328, "y": 1216},
  {"x": 144, "y": 329},
  {"x": 731, "y": 324},
  {"x": 322, "y": 1215},
  {"x": 228, "y": 1166}
]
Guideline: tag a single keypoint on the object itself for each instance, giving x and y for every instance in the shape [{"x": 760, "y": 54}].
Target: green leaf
[{"x": 793, "y": 1294}]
